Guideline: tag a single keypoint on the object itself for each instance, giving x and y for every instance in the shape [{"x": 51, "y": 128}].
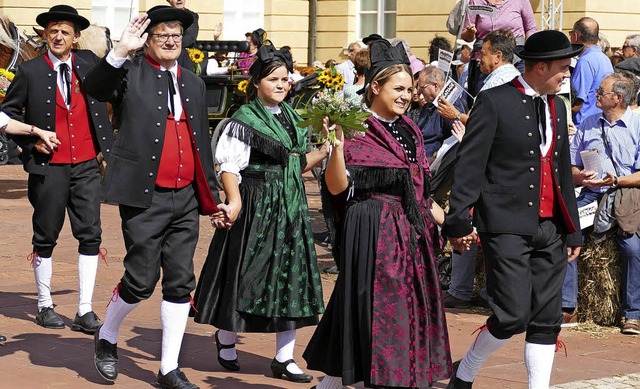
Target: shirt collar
[
  {"x": 528, "y": 90},
  {"x": 625, "y": 119},
  {"x": 56, "y": 62}
]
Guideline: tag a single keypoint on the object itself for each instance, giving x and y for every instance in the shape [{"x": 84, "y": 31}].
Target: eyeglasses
[
  {"x": 163, "y": 38},
  {"x": 625, "y": 46},
  {"x": 601, "y": 92},
  {"x": 427, "y": 84}
]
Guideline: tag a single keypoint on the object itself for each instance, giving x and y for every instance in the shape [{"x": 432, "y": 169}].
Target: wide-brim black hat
[
  {"x": 62, "y": 12},
  {"x": 631, "y": 64},
  {"x": 164, "y": 13},
  {"x": 548, "y": 45},
  {"x": 373, "y": 37}
]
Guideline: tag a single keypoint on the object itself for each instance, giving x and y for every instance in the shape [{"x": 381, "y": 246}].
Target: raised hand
[
  {"x": 336, "y": 141},
  {"x": 133, "y": 37}
]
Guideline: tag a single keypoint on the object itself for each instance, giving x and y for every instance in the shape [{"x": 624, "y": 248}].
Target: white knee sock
[
  {"x": 538, "y": 358},
  {"x": 330, "y": 382},
  {"x": 87, "y": 269},
  {"x": 174, "y": 318},
  {"x": 42, "y": 270},
  {"x": 285, "y": 342},
  {"x": 116, "y": 312},
  {"x": 227, "y": 338},
  {"x": 483, "y": 346}
]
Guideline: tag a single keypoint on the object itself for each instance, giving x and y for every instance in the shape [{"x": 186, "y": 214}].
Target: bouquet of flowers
[
  {"x": 5, "y": 79},
  {"x": 328, "y": 104},
  {"x": 196, "y": 56}
]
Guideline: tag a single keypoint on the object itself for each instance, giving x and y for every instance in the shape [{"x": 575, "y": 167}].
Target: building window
[
  {"x": 242, "y": 16},
  {"x": 377, "y": 17},
  {"x": 114, "y": 14}
]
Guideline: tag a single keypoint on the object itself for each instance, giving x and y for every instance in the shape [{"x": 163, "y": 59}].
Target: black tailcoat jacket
[
  {"x": 34, "y": 88},
  {"x": 138, "y": 92},
  {"x": 498, "y": 168}
]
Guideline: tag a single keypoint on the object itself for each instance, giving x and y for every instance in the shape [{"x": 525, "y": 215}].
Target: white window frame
[
  {"x": 380, "y": 17},
  {"x": 234, "y": 20},
  {"x": 110, "y": 7}
]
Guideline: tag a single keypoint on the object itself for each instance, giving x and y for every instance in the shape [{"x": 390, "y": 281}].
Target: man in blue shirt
[
  {"x": 435, "y": 128},
  {"x": 591, "y": 68},
  {"x": 620, "y": 158}
]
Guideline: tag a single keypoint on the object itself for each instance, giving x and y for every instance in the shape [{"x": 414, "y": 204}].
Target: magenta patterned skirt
[{"x": 385, "y": 322}]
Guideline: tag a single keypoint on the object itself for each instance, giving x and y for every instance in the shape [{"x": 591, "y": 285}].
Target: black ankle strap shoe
[
  {"x": 280, "y": 368},
  {"x": 232, "y": 365}
]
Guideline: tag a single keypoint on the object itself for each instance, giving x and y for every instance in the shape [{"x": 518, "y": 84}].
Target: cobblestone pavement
[
  {"x": 615, "y": 382},
  {"x": 34, "y": 357}
]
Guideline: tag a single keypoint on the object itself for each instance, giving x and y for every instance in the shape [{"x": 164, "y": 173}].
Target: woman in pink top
[{"x": 513, "y": 15}]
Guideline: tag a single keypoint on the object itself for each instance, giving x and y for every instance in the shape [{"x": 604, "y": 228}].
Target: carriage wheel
[{"x": 444, "y": 270}]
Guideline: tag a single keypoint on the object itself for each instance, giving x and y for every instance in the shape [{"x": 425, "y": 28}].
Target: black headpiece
[
  {"x": 548, "y": 45},
  {"x": 62, "y": 13},
  {"x": 382, "y": 55},
  {"x": 259, "y": 36},
  {"x": 268, "y": 53},
  {"x": 164, "y": 13}
]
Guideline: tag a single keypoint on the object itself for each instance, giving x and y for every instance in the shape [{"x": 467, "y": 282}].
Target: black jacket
[
  {"x": 138, "y": 92},
  {"x": 34, "y": 89},
  {"x": 498, "y": 170}
]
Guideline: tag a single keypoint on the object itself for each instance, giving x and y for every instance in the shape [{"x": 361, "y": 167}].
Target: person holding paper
[
  {"x": 615, "y": 134},
  {"x": 434, "y": 127},
  {"x": 514, "y": 169},
  {"x": 484, "y": 16}
]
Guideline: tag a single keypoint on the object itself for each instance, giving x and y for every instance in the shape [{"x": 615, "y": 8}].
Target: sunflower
[
  {"x": 6, "y": 74},
  {"x": 195, "y": 55},
  {"x": 242, "y": 86}
]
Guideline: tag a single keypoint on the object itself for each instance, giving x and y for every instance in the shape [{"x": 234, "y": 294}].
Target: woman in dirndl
[
  {"x": 261, "y": 274},
  {"x": 385, "y": 322}
]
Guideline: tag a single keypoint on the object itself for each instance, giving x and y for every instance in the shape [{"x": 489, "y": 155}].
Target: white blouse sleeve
[{"x": 232, "y": 154}]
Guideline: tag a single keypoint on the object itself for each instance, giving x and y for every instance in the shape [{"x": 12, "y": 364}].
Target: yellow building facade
[{"x": 337, "y": 22}]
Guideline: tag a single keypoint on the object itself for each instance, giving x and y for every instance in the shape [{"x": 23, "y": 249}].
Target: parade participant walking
[
  {"x": 385, "y": 322},
  {"x": 516, "y": 173},
  {"x": 47, "y": 88},
  {"x": 161, "y": 175},
  {"x": 262, "y": 275}
]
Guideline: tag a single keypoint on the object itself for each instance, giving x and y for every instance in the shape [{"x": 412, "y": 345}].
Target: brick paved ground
[{"x": 34, "y": 357}]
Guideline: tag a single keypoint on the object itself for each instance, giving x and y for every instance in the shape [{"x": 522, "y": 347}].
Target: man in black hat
[
  {"x": 47, "y": 88},
  {"x": 162, "y": 177},
  {"x": 514, "y": 168}
]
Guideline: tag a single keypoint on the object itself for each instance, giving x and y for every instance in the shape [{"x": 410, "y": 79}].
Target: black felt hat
[
  {"x": 631, "y": 64},
  {"x": 382, "y": 55},
  {"x": 164, "y": 13},
  {"x": 546, "y": 46},
  {"x": 62, "y": 12},
  {"x": 373, "y": 37},
  {"x": 268, "y": 53}
]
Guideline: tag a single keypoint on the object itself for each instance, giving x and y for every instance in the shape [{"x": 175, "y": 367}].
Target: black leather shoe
[
  {"x": 455, "y": 382},
  {"x": 454, "y": 302},
  {"x": 48, "y": 318},
  {"x": 175, "y": 379},
  {"x": 280, "y": 368},
  {"x": 87, "y": 323},
  {"x": 2, "y": 338},
  {"x": 233, "y": 365},
  {"x": 105, "y": 357}
]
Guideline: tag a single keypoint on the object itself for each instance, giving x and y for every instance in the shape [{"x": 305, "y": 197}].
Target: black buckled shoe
[
  {"x": 48, "y": 318},
  {"x": 455, "y": 382},
  {"x": 232, "y": 365},
  {"x": 280, "y": 368},
  {"x": 105, "y": 357},
  {"x": 87, "y": 323},
  {"x": 175, "y": 379}
]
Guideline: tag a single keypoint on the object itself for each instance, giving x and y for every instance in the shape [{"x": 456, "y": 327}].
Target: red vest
[
  {"x": 77, "y": 143},
  {"x": 175, "y": 175},
  {"x": 177, "y": 166},
  {"x": 551, "y": 200}
]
